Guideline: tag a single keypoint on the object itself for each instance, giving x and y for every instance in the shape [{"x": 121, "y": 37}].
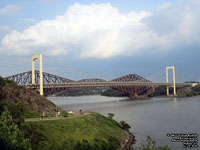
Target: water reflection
[{"x": 174, "y": 104}]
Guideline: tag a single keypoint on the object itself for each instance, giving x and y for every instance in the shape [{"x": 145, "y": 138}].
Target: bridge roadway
[{"x": 102, "y": 84}]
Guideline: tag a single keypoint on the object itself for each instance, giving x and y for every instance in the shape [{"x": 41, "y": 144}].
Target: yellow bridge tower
[{"x": 34, "y": 57}]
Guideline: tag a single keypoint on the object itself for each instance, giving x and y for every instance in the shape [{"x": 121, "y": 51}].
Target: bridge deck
[{"x": 102, "y": 84}]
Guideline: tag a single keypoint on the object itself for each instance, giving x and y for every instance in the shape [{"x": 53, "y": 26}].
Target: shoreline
[
  {"x": 127, "y": 141},
  {"x": 137, "y": 98}
]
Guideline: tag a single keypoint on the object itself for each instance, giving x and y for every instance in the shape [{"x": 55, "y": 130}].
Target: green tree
[
  {"x": 151, "y": 145},
  {"x": 110, "y": 115},
  {"x": 11, "y": 138},
  {"x": 125, "y": 125}
]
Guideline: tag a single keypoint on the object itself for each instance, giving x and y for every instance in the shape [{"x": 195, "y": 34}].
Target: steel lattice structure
[
  {"x": 92, "y": 80},
  {"x": 26, "y": 78},
  {"x": 132, "y": 90},
  {"x": 131, "y": 77}
]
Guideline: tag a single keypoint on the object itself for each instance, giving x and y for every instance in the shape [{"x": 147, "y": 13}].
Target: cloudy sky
[{"x": 100, "y": 38}]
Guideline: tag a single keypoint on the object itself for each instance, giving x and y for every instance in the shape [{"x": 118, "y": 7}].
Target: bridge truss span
[
  {"x": 131, "y": 84},
  {"x": 26, "y": 78}
]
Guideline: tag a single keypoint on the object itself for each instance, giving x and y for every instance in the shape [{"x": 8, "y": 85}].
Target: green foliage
[
  {"x": 151, "y": 145},
  {"x": 112, "y": 144},
  {"x": 4, "y": 82},
  {"x": 31, "y": 114},
  {"x": 191, "y": 91},
  {"x": 64, "y": 113},
  {"x": 161, "y": 90},
  {"x": 16, "y": 110},
  {"x": 10, "y": 135},
  {"x": 82, "y": 92},
  {"x": 110, "y": 115},
  {"x": 125, "y": 125},
  {"x": 196, "y": 90},
  {"x": 113, "y": 92}
]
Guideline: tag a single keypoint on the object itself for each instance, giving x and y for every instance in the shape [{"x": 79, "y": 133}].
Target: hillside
[
  {"x": 94, "y": 128},
  {"x": 30, "y": 101}
]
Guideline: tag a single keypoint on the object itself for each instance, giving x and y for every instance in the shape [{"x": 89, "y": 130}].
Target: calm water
[{"x": 155, "y": 117}]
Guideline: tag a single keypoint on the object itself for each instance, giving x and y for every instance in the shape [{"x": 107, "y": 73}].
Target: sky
[{"x": 101, "y": 38}]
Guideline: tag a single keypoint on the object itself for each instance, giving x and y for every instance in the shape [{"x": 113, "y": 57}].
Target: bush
[
  {"x": 10, "y": 135},
  {"x": 16, "y": 110},
  {"x": 124, "y": 125},
  {"x": 110, "y": 115},
  {"x": 113, "y": 144},
  {"x": 151, "y": 145}
]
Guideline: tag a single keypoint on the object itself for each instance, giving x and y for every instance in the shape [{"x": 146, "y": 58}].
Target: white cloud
[
  {"x": 27, "y": 19},
  {"x": 9, "y": 10},
  {"x": 100, "y": 30}
]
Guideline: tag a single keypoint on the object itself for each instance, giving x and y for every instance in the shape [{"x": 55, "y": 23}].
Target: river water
[{"x": 155, "y": 117}]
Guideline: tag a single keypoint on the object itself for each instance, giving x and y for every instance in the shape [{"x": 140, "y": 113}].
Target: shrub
[
  {"x": 15, "y": 109},
  {"x": 110, "y": 115},
  {"x": 124, "y": 125},
  {"x": 10, "y": 135},
  {"x": 151, "y": 145}
]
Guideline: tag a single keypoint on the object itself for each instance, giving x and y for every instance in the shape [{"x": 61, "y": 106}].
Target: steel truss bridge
[{"x": 131, "y": 84}]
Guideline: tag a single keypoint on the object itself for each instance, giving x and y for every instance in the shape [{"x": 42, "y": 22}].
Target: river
[{"x": 155, "y": 117}]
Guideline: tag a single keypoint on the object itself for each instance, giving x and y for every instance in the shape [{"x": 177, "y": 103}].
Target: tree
[
  {"x": 10, "y": 135},
  {"x": 110, "y": 115},
  {"x": 125, "y": 125},
  {"x": 151, "y": 145}
]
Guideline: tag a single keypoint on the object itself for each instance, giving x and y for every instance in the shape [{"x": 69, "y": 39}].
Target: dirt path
[{"x": 52, "y": 118}]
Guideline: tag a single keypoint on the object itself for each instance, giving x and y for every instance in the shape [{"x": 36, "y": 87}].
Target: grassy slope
[{"x": 89, "y": 127}]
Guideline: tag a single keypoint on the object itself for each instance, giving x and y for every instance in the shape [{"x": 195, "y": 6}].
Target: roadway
[{"x": 101, "y": 84}]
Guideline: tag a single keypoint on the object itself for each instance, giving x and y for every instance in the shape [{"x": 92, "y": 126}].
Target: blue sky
[{"x": 104, "y": 39}]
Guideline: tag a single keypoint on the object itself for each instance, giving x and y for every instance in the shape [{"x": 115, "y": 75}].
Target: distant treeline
[{"x": 91, "y": 91}]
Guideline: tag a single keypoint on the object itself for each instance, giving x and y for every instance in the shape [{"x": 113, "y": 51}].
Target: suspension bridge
[{"x": 48, "y": 84}]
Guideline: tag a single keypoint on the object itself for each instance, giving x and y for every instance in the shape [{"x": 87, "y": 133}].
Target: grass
[{"x": 89, "y": 127}]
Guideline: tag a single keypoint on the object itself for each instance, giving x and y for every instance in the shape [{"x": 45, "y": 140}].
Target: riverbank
[{"x": 128, "y": 141}]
